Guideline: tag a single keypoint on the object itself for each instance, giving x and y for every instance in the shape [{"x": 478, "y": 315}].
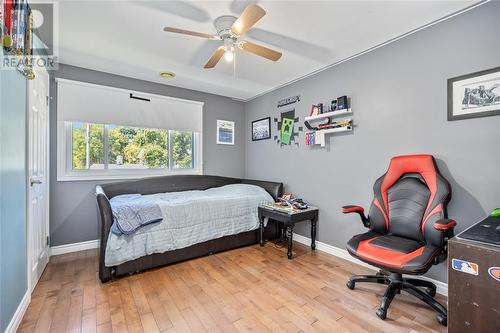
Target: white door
[{"x": 38, "y": 186}]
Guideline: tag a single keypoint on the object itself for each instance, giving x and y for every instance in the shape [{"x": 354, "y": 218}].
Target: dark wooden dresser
[{"x": 474, "y": 279}]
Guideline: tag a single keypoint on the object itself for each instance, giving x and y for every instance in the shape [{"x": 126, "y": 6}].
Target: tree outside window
[
  {"x": 130, "y": 148},
  {"x": 182, "y": 145}
]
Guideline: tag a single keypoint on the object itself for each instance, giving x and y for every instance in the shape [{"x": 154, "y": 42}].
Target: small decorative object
[
  {"x": 474, "y": 95},
  {"x": 316, "y": 109},
  {"x": 342, "y": 103},
  {"x": 333, "y": 105},
  {"x": 286, "y": 130},
  {"x": 310, "y": 138},
  {"x": 289, "y": 100},
  {"x": 225, "y": 132},
  {"x": 261, "y": 129}
]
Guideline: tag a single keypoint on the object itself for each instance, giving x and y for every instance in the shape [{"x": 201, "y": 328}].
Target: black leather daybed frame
[{"x": 173, "y": 184}]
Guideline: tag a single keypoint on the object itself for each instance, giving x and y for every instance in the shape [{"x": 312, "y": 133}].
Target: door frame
[{"x": 29, "y": 250}]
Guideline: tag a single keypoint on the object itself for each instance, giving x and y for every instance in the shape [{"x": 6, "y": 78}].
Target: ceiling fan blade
[
  {"x": 247, "y": 19},
  {"x": 214, "y": 59},
  {"x": 260, "y": 50},
  {"x": 191, "y": 33}
]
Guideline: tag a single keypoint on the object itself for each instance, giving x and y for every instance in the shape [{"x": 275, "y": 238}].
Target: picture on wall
[
  {"x": 286, "y": 130},
  {"x": 261, "y": 129},
  {"x": 225, "y": 132},
  {"x": 474, "y": 95}
]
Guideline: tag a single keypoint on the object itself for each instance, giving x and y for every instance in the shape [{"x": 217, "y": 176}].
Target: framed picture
[
  {"x": 225, "y": 132},
  {"x": 261, "y": 129},
  {"x": 474, "y": 95}
]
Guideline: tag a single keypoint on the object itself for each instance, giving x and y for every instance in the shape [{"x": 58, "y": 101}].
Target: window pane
[
  {"x": 182, "y": 149},
  {"x": 87, "y": 146},
  {"x": 137, "y": 148}
]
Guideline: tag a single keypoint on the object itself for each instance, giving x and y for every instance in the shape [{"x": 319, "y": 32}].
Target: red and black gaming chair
[{"x": 409, "y": 230}]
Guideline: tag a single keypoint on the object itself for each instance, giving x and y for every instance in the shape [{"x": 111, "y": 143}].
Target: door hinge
[
  {"x": 48, "y": 241},
  {"x": 47, "y": 100}
]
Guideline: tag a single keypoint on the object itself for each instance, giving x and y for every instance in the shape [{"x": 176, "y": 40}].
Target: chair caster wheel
[
  {"x": 431, "y": 292},
  {"x": 350, "y": 285},
  {"x": 443, "y": 320},
  {"x": 381, "y": 313}
]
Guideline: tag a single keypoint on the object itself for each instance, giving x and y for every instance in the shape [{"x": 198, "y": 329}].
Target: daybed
[{"x": 105, "y": 193}]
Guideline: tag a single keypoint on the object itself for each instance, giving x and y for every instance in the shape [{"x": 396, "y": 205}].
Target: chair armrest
[
  {"x": 352, "y": 209},
  {"x": 444, "y": 224},
  {"x": 359, "y": 210}
]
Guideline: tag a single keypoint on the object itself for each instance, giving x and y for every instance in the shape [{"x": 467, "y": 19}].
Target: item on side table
[{"x": 293, "y": 203}]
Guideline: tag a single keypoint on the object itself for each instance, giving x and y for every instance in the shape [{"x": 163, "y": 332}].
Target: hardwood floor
[{"x": 249, "y": 289}]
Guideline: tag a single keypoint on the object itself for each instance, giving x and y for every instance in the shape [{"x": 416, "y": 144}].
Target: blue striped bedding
[{"x": 190, "y": 217}]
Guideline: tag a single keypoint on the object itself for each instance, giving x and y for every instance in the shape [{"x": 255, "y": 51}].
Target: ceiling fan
[{"x": 229, "y": 30}]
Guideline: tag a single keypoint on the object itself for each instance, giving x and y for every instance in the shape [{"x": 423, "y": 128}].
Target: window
[
  {"x": 97, "y": 151},
  {"x": 87, "y": 141},
  {"x": 182, "y": 149},
  {"x": 137, "y": 148},
  {"x": 112, "y": 133}
]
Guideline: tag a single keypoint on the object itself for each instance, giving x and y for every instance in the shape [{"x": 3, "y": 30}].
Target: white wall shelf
[
  {"x": 320, "y": 134},
  {"x": 336, "y": 113}
]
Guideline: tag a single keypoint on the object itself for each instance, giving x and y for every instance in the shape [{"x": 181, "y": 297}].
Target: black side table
[{"x": 289, "y": 218}]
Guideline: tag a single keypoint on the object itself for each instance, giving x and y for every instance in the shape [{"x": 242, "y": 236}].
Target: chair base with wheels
[
  {"x": 422, "y": 289},
  {"x": 408, "y": 230}
]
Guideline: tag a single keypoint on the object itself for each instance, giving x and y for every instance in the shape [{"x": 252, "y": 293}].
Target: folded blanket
[{"x": 132, "y": 211}]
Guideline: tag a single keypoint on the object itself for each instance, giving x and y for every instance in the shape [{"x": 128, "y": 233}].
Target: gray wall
[
  {"x": 13, "y": 173},
  {"x": 399, "y": 107},
  {"x": 73, "y": 215}
]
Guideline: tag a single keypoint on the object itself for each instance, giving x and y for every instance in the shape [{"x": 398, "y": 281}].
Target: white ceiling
[{"x": 126, "y": 38}]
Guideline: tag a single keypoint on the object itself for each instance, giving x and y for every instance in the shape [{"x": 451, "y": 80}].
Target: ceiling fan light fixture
[
  {"x": 229, "y": 54},
  {"x": 167, "y": 75}
]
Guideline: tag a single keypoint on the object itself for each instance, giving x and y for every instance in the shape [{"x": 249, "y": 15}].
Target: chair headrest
[{"x": 423, "y": 165}]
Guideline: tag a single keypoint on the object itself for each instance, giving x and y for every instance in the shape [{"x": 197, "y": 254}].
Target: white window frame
[{"x": 65, "y": 171}]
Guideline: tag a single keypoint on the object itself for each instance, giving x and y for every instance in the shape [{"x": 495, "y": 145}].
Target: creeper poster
[{"x": 286, "y": 130}]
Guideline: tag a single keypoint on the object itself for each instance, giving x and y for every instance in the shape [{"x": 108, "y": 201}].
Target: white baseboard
[
  {"x": 19, "y": 314},
  {"x": 441, "y": 287},
  {"x": 75, "y": 247}
]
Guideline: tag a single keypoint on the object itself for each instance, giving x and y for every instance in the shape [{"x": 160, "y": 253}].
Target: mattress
[{"x": 190, "y": 217}]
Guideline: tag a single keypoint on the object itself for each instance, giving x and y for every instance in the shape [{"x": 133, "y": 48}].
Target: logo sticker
[
  {"x": 465, "y": 266},
  {"x": 494, "y": 272}
]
